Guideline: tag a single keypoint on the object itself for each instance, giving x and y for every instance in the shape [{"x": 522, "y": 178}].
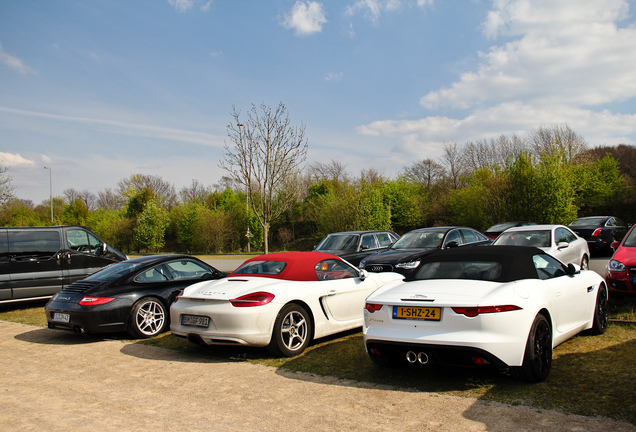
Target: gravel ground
[{"x": 58, "y": 381}]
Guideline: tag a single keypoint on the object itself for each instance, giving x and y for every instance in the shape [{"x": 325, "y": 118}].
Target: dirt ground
[{"x": 56, "y": 381}]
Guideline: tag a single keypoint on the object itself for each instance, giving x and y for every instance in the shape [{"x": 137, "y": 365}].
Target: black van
[{"x": 37, "y": 262}]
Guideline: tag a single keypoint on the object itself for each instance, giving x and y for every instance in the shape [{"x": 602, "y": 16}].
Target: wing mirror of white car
[
  {"x": 573, "y": 269},
  {"x": 363, "y": 274},
  {"x": 563, "y": 245}
]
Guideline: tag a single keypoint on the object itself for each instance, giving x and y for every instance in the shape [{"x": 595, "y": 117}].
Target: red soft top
[{"x": 300, "y": 265}]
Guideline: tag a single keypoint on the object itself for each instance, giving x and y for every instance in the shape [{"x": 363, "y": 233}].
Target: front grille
[{"x": 79, "y": 287}]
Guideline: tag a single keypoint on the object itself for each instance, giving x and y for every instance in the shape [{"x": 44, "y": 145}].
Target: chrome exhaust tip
[
  {"x": 411, "y": 357},
  {"x": 422, "y": 358}
]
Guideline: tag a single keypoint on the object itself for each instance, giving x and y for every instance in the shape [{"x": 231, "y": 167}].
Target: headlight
[
  {"x": 408, "y": 265},
  {"x": 616, "y": 266},
  {"x": 362, "y": 263}
]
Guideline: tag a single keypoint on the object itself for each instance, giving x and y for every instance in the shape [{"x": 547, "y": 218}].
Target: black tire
[
  {"x": 292, "y": 332},
  {"x": 601, "y": 312},
  {"x": 537, "y": 359},
  {"x": 148, "y": 318}
]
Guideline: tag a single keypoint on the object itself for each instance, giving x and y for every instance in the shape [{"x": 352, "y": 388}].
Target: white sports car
[
  {"x": 557, "y": 240},
  {"x": 280, "y": 301},
  {"x": 506, "y": 306}
]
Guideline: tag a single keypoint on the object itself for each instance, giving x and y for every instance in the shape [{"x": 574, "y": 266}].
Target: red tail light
[
  {"x": 94, "y": 301},
  {"x": 596, "y": 232},
  {"x": 176, "y": 299},
  {"x": 253, "y": 299},
  {"x": 371, "y": 307},
  {"x": 474, "y": 311}
]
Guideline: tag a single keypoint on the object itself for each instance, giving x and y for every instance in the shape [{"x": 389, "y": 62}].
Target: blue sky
[{"x": 100, "y": 90}]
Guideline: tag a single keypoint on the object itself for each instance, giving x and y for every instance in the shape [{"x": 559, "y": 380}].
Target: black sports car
[
  {"x": 405, "y": 254},
  {"x": 133, "y": 296}
]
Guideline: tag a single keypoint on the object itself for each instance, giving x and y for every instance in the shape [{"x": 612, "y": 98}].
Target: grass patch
[{"x": 591, "y": 375}]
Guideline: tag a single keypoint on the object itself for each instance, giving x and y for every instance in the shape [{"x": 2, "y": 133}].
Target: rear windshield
[
  {"x": 473, "y": 270},
  {"x": 525, "y": 238},
  {"x": 339, "y": 242},
  {"x": 261, "y": 267},
  {"x": 588, "y": 221},
  {"x": 114, "y": 271}
]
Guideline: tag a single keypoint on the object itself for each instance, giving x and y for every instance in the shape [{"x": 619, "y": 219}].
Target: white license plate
[
  {"x": 195, "y": 321},
  {"x": 62, "y": 317}
]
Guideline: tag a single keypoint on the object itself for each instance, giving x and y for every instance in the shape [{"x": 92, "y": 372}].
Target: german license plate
[
  {"x": 62, "y": 317},
  {"x": 417, "y": 313},
  {"x": 195, "y": 320}
]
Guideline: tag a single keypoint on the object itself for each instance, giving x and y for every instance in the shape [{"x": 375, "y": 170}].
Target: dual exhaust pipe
[{"x": 421, "y": 358}]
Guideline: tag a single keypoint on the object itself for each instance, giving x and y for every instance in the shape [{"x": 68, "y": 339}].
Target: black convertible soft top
[{"x": 516, "y": 261}]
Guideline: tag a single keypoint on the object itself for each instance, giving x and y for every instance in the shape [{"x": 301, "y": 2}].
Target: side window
[
  {"x": 334, "y": 269},
  {"x": 393, "y": 238},
  {"x": 4, "y": 243},
  {"x": 41, "y": 242},
  {"x": 155, "y": 274},
  {"x": 187, "y": 269},
  {"x": 561, "y": 235},
  {"x": 384, "y": 239},
  {"x": 82, "y": 241},
  {"x": 548, "y": 267},
  {"x": 610, "y": 222},
  {"x": 368, "y": 242},
  {"x": 469, "y": 236},
  {"x": 453, "y": 236}
]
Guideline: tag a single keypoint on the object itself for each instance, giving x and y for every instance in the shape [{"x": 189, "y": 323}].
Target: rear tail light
[
  {"x": 474, "y": 311},
  {"x": 253, "y": 299},
  {"x": 176, "y": 299},
  {"x": 372, "y": 307},
  {"x": 94, "y": 301},
  {"x": 596, "y": 232}
]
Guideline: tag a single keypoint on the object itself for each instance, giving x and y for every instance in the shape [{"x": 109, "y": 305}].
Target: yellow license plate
[{"x": 417, "y": 313}]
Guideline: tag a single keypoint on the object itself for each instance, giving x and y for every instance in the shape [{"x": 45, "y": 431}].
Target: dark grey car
[{"x": 353, "y": 246}]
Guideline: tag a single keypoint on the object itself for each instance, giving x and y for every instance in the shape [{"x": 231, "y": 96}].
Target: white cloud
[
  {"x": 305, "y": 18},
  {"x": 181, "y": 5},
  {"x": 14, "y": 160},
  {"x": 331, "y": 76},
  {"x": 560, "y": 63},
  {"x": 129, "y": 129},
  {"x": 14, "y": 63}
]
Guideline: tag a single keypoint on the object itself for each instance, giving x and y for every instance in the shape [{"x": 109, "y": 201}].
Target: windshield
[
  {"x": 339, "y": 242},
  {"x": 474, "y": 270},
  {"x": 115, "y": 271},
  {"x": 630, "y": 240},
  {"x": 588, "y": 221},
  {"x": 420, "y": 240},
  {"x": 524, "y": 238}
]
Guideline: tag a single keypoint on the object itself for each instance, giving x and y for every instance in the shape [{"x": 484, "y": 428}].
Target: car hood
[
  {"x": 396, "y": 256},
  {"x": 438, "y": 292},
  {"x": 231, "y": 287},
  {"x": 626, "y": 255}
]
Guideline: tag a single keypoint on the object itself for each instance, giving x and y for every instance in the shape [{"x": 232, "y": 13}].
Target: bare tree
[
  {"x": 265, "y": 157},
  {"x": 425, "y": 172},
  {"x": 109, "y": 200},
  {"x": 333, "y": 170},
  {"x": 6, "y": 189},
  {"x": 196, "y": 192},
  {"x": 88, "y": 198},
  {"x": 555, "y": 140},
  {"x": 452, "y": 159},
  {"x": 163, "y": 191}
]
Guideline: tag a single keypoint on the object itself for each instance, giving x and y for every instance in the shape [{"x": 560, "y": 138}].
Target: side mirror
[
  {"x": 363, "y": 247},
  {"x": 451, "y": 244},
  {"x": 573, "y": 269},
  {"x": 615, "y": 245},
  {"x": 363, "y": 274},
  {"x": 563, "y": 245}
]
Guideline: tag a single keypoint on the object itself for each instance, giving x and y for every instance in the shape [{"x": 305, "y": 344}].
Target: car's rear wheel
[
  {"x": 601, "y": 312},
  {"x": 292, "y": 331},
  {"x": 537, "y": 359},
  {"x": 147, "y": 318}
]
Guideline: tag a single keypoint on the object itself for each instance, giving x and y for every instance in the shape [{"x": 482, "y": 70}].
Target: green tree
[
  {"x": 75, "y": 213},
  {"x": 151, "y": 226}
]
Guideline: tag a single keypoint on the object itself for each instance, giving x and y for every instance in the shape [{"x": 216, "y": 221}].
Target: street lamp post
[{"x": 50, "y": 190}]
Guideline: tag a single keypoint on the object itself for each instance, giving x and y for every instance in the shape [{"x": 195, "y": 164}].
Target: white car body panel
[
  {"x": 336, "y": 305},
  {"x": 568, "y": 300}
]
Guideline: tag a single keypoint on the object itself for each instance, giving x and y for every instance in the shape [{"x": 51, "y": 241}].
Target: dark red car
[{"x": 620, "y": 272}]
